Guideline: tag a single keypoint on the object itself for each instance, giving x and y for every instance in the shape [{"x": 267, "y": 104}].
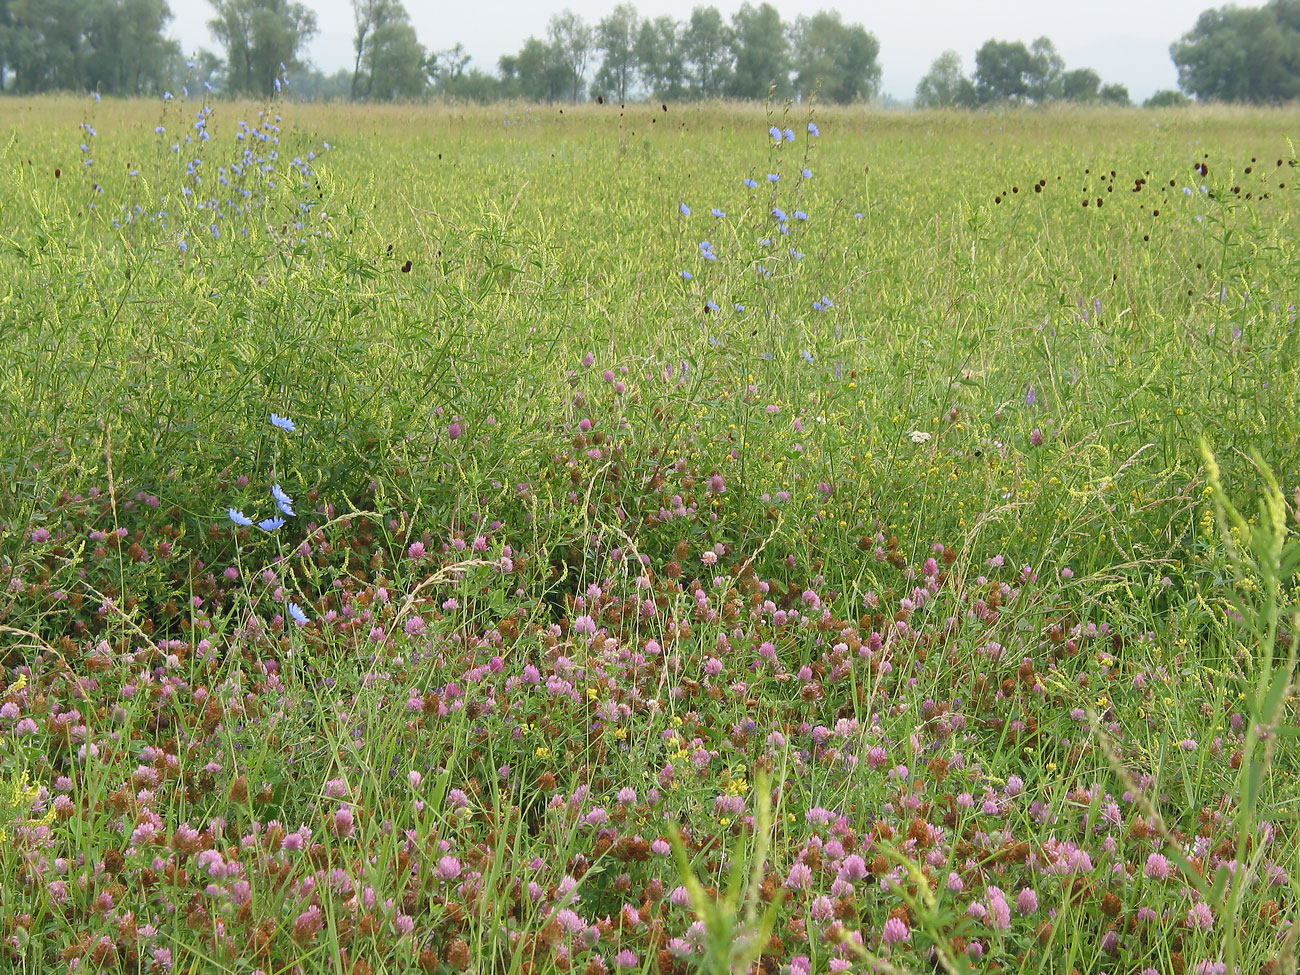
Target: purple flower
[
  {"x": 775, "y": 133},
  {"x": 896, "y": 930},
  {"x": 239, "y": 518},
  {"x": 448, "y": 868},
  {"x": 813, "y": 130},
  {"x": 271, "y": 524},
  {"x": 686, "y": 211},
  {"x": 283, "y": 422},
  {"x": 297, "y": 615},
  {"x": 1031, "y": 395},
  {"x": 1158, "y": 867}
]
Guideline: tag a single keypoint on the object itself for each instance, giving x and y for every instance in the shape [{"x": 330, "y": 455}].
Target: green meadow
[{"x": 647, "y": 540}]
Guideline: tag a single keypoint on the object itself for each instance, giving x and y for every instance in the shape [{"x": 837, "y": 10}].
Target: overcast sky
[{"x": 1125, "y": 41}]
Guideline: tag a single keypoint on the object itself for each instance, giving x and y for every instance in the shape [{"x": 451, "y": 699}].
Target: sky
[{"x": 1125, "y": 41}]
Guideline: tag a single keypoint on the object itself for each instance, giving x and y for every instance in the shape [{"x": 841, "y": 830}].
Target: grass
[{"x": 877, "y": 562}]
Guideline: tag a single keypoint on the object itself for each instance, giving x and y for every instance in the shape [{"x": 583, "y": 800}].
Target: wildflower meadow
[{"x": 647, "y": 539}]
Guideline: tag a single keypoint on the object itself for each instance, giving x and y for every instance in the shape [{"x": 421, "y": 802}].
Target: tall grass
[{"x": 883, "y": 487}]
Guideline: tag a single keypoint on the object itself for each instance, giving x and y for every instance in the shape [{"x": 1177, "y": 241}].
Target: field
[{"x": 526, "y": 540}]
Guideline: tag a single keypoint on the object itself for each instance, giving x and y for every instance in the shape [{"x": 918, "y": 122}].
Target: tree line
[
  {"x": 1008, "y": 71},
  {"x": 119, "y": 47}
]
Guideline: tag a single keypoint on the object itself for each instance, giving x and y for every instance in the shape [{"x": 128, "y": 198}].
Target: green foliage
[
  {"x": 661, "y": 57},
  {"x": 760, "y": 50},
  {"x": 708, "y": 52},
  {"x": 262, "y": 40},
  {"x": 390, "y": 63},
  {"x": 115, "y": 47},
  {"x": 1242, "y": 54},
  {"x": 571, "y": 45},
  {"x": 837, "y": 60},
  {"x": 616, "y": 38},
  {"x": 1167, "y": 98},
  {"x": 1081, "y": 85},
  {"x": 1115, "y": 94},
  {"x": 944, "y": 85}
]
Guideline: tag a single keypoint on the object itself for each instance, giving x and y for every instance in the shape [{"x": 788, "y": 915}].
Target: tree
[
  {"x": 1081, "y": 85},
  {"x": 616, "y": 37},
  {"x": 760, "y": 49},
  {"x": 123, "y": 47},
  {"x": 1046, "y": 70},
  {"x": 660, "y": 57},
  {"x": 571, "y": 39},
  {"x": 841, "y": 57},
  {"x": 45, "y": 44},
  {"x": 472, "y": 86},
  {"x": 536, "y": 72},
  {"x": 1242, "y": 54},
  {"x": 945, "y": 86},
  {"x": 1003, "y": 71},
  {"x": 707, "y": 51},
  {"x": 390, "y": 62},
  {"x": 1115, "y": 94},
  {"x": 1167, "y": 98},
  {"x": 262, "y": 39}
]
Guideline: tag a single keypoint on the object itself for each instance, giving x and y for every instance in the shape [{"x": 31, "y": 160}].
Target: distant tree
[
  {"x": 707, "y": 52},
  {"x": 6, "y": 29},
  {"x": 45, "y": 44},
  {"x": 616, "y": 38},
  {"x": 1167, "y": 98},
  {"x": 1242, "y": 54},
  {"x": 660, "y": 57},
  {"x": 840, "y": 57},
  {"x": 1004, "y": 71},
  {"x": 124, "y": 48},
  {"x": 537, "y": 72},
  {"x": 314, "y": 85},
  {"x": 571, "y": 40},
  {"x": 1045, "y": 74},
  {"x": 390, "y": 61},
  {"x": 396, "y": 63},
  {"x": 1081, "y": 85},
  {"x": 473, "y": 85},
  {"x": 760, "y": 48},
  {"x": 262, "y": 39},
  {"x": 945, "y": 86},
  {"x": 1115, "y": 94}
]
